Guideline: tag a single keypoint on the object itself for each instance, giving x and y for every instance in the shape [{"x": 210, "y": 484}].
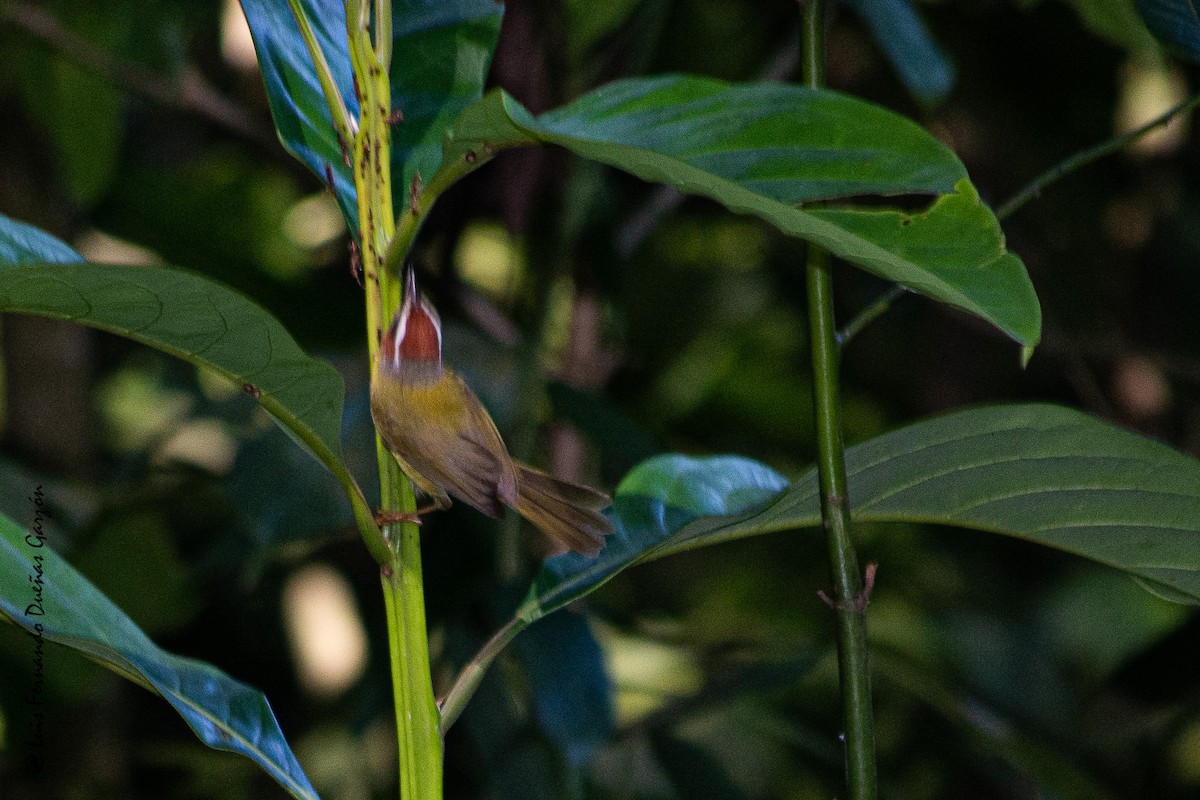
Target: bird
[{"x": 445, "y": 441}]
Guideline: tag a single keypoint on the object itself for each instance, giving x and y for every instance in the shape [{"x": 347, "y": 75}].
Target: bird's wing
[{"x": 500, "y": 472}]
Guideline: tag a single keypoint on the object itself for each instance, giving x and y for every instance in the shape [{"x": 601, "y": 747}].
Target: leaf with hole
[{"x": 766, "y": 150}]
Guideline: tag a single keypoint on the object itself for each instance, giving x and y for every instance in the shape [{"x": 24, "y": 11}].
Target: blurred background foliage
[{"x": 602, "y": 320}]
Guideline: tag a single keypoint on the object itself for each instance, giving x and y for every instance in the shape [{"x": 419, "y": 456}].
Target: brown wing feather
[{"x": 475, "y": 466}]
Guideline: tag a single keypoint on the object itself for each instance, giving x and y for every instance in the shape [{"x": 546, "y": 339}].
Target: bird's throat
[{"x": 417, "y": 374}]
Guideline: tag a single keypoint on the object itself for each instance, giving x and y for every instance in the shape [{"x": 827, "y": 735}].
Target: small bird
[{"x": 446, "y": 442}]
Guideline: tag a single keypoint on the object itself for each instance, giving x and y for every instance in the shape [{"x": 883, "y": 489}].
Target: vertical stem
[
  {"x": 850, "y": 602},
  {"x": 418, "y": 734},
  {"x": 418, "y": 721}
]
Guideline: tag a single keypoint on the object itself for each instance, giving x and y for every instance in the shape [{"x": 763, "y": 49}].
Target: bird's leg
[
  {"x": 388, "y": 517},
  {"x": 385, "y": 517}
]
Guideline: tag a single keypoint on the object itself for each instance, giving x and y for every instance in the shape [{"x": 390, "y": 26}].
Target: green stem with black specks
[
  {"x": 385, "y": 241},
  {"x": 418, "y": 736},
  {"x": 849, "y": 601}
]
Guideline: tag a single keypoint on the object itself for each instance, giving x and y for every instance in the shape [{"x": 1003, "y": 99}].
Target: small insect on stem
[
  {"x": 252, "y": 390},
  {"x": 471, "y": 157},
  {"x": 355, "y": 263},
  {"x": 394, "y": 118},
  {"x": 414, "y": 195}
]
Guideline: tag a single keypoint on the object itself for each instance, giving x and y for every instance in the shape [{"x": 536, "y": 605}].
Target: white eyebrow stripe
[
  {"x": 401, "y": 325},
  {"x": 434, "y": 318}
]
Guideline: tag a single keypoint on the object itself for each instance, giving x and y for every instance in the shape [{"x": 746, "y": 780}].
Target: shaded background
[{"x": 602, "y": 320}]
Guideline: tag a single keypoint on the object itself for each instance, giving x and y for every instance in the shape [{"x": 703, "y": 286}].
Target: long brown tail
[{"x": 568, "y": 512}]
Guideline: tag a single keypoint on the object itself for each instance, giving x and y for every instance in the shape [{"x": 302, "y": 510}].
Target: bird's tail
[{"x": 566, "y": 511}]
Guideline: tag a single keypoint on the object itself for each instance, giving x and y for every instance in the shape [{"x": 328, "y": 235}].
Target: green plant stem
[
  {"x": 1085, "y": 157},
  {"x": 468, "y": 679},
  {"x": 418, "y": 733},
  {"x": 383, "y": 33},
  {"x": 418, "y": 738},
  {"x": 869, "y": 314},
  {"x": 850, "y": 602}
]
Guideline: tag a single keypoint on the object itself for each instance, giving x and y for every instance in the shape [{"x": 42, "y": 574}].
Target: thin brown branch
[{"x": 190, "y": 92}]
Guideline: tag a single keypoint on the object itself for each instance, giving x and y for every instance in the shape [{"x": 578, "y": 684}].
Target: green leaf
[
  {"x": 762, "y": 149},
  {"x": 42, "y": 594},
  {"x": 1175, "y": 22},
  {"x": 570, "y": 689},
  {"x": 1043, "y": 473},
  {"x": 656, "y": 500},
  {"x": 24, "y": 244},
  {"x": 905, "y": 40},
  {"x": 188, "y": 316},
  {"x": 441, "y": 56}
]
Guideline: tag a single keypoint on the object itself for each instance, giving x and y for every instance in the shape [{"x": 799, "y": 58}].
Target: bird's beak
[{"x": 410, "y": 287}]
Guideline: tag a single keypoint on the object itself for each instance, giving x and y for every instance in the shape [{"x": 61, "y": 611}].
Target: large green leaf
[
  {"x": 188, "y": 316},
  {"x": 442, "y": 50},
  {"x": 660, "y": 498},
  {"x": 1043, "y": 473},
  {"x": 764, "y": 149},
  {"x": 49, "y": 600}
]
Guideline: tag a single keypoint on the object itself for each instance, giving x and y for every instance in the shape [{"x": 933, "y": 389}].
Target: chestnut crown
[{"x": 415, "y": 335}]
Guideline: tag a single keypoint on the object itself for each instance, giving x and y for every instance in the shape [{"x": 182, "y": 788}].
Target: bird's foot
[{"x": 386, "y": 517}]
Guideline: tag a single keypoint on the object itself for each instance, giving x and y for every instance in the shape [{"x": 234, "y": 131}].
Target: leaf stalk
[{"x": 1081, "y": 159}]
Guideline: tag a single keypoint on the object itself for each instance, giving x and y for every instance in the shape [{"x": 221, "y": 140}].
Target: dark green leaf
[
  {"x": 778, "y": 141},
  {"x": 761, "y": 149},
  {"x": 441, "y": 55},
  {"x": 1042, "y": 473},
  {"x": 571, "y": 693},
  {"x": 1176, "y": 22},
  {"x": 46, "y": 597},
  {"x": 907, "y": 43},
  {"x": 185, "y": 315},
  {"x": 79, "y": 109}
]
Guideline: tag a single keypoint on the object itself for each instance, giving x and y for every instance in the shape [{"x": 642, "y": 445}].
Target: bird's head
[{"x": 413, "y": 342}]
